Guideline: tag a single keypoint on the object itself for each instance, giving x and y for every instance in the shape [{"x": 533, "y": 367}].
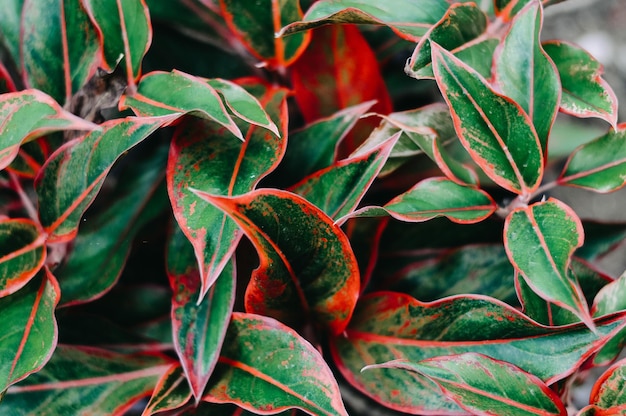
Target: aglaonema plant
[{"x": 237, "y": 207}]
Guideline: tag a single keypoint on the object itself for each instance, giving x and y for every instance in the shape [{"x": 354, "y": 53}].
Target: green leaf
[
  {"x": 83, "y": 380},
  {"x": 599, "y": 165},
  {"x": 388, "y": 326},
  {"x": 22, "y": 253},
  {"x": 29, "y": 329},
  {"x": 524, "y": 72},
  {"x": 601, "y": 238},
  {"x": 103, "y": 242},
  {"x": 608, "y": 300},
  {"x": 10, "y": 26},
  {"x": 495, "y": 130},
  {"x": 409, "y": 20},
  {"x": 306, "y": 264},
  {"x": 125, "y": 31},
  {"x": 609, "y": 391},
  {"x": 436, "y": 197},
  {"x": 30, "y": 114},
  {"x": 484, "y": 386},
  {"x": 540, "y": 240},
  {"x": 338, "y": 189},
  {"x": 462, "y": 23},
  {"x": 585, "y": 92},
  {"x": 199, "y": 327},
  {"x": 58, "y": 47},
  {"x": 286, "y": 373},
  {"x": 71, "y": 178},
  {"x": 171, "y": 392},
  {"x": 204, "y": 156}
]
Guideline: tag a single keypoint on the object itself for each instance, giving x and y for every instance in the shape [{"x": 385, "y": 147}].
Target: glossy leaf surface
[
  {"x": 585, "y": 92},
  {"x": 22, "y": 253},
  {"x": 409, "y": 20},
  {"x": 125, "y": 32},
  {"x": 171, "y": 392},
  {"x": 88, "y": 381},
  {"x": 525, "y": 73},
  {"x": 540, "y": 240},
  {"x": 286, "y": 373},
  {"x": 29, "y": 114},
  {"x": 405, "y": 328},
  {"x": 496, "y": 132},
  {"x": 29, "y": 329},
  {"x": 199, "y": 328},
  {"x": 73, "y": 175},
  {"x": 204, "y": 156},
  {"x": 599, "y": 165},
  {"x": 306, "y": 264},
  {"x": 484, "y": 386}
]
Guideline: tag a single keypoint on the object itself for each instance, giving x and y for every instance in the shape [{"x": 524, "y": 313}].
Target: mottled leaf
[
  {"x": 29, "y": 114},
  {"x": 286, "y": 373},
  {"x": 171, "y": 392},
  {"x": 29, "y": 329},
  {"x": 409, "y": 20},
  {"x": 199, "y": 327},
  {"x": 307, "y": 267},
  {"x": 609, "y": 391},
  {"x": 495, "y": 130},
  {"x": 83, "y": 380},
  {"x": 484, "y": 386},
  {"x": 524, "y": 72},
  {"x": 22, "y": 253},
  {"x": 585, "y": 92},
  {"x": 71, "y": 178}
]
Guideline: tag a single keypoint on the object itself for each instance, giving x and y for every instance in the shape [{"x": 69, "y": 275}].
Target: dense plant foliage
[{"x": 400, "y": 239}]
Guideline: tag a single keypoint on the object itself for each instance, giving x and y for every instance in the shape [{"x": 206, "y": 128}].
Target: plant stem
[{"x": 26, "y": 202}]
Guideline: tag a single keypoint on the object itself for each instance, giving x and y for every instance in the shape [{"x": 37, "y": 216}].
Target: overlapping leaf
[
  {"x": 71, "y": 178},
  {"x": 29, "y": 329},
  {"x": 125, "y": 31},
  {"x": 82, "y": 380},
  {"x": 388, "y": 326},
  {"x": 436, "y": 197},
  {"x": 256, "y": 23},
  {"x": 540, "y": 240},
  {"x": 22, "y": 253},
  {"x": 307, "y": 268},
  {"x": 286, "y": 373},
  {"x": 495, "y": 130},
  {"x": 608, "y": 392},
  {"x": 599, "y": 165},
  {"x": 611, "y": 298},
  {"x": 484, "y": 386},
  {"x": 585, "y": 92},
  {"x": 58, "y": 47},
  {"x": 30, "y": 114},
  {"x": 199, "y": 327},
  {"x": 409, "y": 20},
  {"x": 171, "y": 392},
  {"x": 524, "y": 72},
  {"x": 203, "y": 156}
]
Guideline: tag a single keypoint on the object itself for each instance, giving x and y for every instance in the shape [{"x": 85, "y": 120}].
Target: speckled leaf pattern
[
  {"x": 29, "y": 114},
  {"x": 286, "y": 373},
  {"x": 307, "y": 268},
  {"x": 256, "y": 23},
  {"x": 540, "y": 240},
  {"x": 22, "y": 253},
  {"x": 72, "y": 177},
  {"x": 404, "y": 328},
  {"x": 204, "y": 156},
  {"x": 125, "y": 31},
  {"x": 524, "y": 72},
  {"x": 462, "y": 23},
  {"x": 171, "y": 392},
  {"x": 495, "y": 130},
  {"x": 84, "y": 380},
  {"x": 436, "y": 197},
  {"x": 409, "y": 20},
  {"x": 599, "y": 165},
  {"x": 608, "y": 393},
  {"x": 29, "y": 329},
  {"x": 484, "y": 386},
  {"x": 338, "y": 189},
  {"x": 58, "y": 46},
  {"x": 199, "y": 328},
  {"x": 585, "y": 92}
]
